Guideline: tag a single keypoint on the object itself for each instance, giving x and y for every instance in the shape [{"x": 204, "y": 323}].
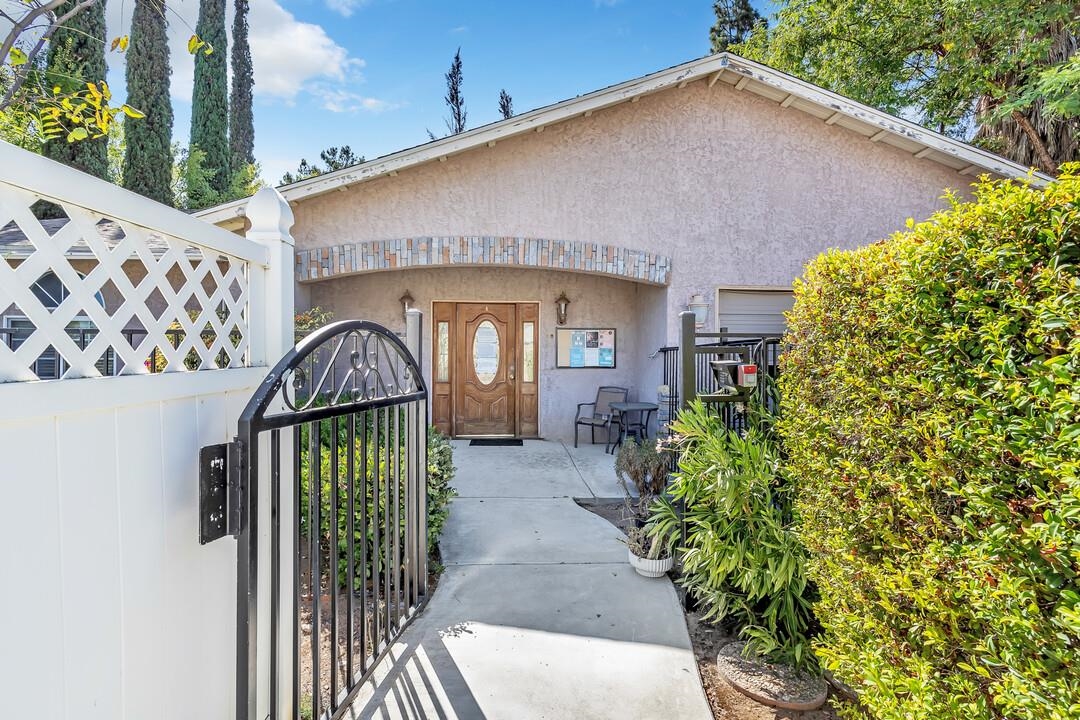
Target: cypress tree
[
  {"x": 210, "y": 101},
  {"x": 506, "y": 105},
  {"x": 148, "y": 156},
  {"x": 76, "y": 57},
  {"x": 241, "y": 120},
  {"x": 455, "y": 101}
]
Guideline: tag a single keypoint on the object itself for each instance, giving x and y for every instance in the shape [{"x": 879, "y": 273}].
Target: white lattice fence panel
[{"x": 96, "y": 293}]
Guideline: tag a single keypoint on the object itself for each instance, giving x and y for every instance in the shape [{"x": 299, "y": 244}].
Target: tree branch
[
  {"x": 1047, "y": 162},
  {"x": 20, "y": 73},
  {"x": 20, "y": 26}
]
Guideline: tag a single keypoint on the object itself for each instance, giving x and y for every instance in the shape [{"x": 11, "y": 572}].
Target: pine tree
[
  {"x": 334, "y": 158},
  {"x": 241, "y": 120},
  {"x": 210, "y": 102},
  {"x": 506, "y": 105},
  {"x": 76, "y": 57},
  {"x": 148, "y": 156},
  {"x": 454, "y": 99},
  {"x": 735, "y": 19}
]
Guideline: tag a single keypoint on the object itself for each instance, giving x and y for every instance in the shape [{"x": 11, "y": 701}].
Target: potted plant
[
  {"x": 645, "y": 466},
  {"x": 649, "y": 555}
]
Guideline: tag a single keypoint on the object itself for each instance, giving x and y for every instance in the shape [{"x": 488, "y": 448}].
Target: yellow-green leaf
[
  {"x": 78, "y": 133},
  {"x": 18, "y": 57},
  {"x": 132, "y": 112},
  {"x": 193, "y": 44}
]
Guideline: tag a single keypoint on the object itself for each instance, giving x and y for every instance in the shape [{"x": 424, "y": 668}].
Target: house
[{"x": 705, "y": 186}]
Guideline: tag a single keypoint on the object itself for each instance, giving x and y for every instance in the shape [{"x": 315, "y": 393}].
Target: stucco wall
[
  {"x": 737, "y": 190},
  {"x": 595, "y": 302}
]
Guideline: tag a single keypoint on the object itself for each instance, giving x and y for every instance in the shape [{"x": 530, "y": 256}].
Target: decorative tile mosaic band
[{"x": 376, "y": 255}]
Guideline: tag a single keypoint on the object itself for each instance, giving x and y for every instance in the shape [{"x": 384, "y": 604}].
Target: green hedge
[{"x": 931, "y": 414}]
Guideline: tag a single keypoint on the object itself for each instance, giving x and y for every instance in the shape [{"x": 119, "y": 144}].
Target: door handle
[{"x": 511, "y": 372}]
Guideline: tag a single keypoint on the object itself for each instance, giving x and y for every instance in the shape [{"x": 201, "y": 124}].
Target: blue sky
[{"x": 369, "y": 73}]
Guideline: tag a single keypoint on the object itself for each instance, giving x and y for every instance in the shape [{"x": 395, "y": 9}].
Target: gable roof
[{"x": 740, "y": 73}]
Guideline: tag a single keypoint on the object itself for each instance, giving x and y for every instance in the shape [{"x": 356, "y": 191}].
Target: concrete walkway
[{"x": 538, "y": 614}]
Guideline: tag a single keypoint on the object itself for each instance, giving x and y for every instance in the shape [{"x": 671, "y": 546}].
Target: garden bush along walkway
[{"x": 538, "y": 614}]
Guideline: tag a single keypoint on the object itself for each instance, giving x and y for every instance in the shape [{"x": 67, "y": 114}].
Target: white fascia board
[{"x": 711, "y": 66}]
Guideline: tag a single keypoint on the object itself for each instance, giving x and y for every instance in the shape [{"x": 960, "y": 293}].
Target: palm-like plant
[{"x": 741, "y": 558}]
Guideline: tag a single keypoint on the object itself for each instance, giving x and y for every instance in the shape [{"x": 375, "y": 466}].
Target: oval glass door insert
[{"x": 486, "y": 352}]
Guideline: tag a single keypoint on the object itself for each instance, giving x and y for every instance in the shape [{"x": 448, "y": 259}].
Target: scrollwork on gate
[
  {"x": 347, "y": 364},
  {"x": 357, "y": 366}
]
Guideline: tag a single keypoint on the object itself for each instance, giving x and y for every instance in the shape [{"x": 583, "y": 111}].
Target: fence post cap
[{"x": 269, "y": 212}]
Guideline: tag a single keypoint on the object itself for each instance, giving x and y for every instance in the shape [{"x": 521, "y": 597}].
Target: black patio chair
[{"x": 601, "y": 415}]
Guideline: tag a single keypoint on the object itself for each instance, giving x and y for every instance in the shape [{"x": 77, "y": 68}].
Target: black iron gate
[{"x": 345, "y": 413}]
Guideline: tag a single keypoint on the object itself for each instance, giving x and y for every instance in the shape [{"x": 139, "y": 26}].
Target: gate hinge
[{"x": 221, "y": 470}]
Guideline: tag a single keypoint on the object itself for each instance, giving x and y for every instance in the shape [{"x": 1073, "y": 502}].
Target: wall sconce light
[
  {"x": 561, "y": 304},
  {"x": 406, "y": 301},
  {"x": 700, "y": 307}
]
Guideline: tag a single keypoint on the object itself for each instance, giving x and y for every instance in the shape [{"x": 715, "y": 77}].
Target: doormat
[{"x": 495, "y": 442}]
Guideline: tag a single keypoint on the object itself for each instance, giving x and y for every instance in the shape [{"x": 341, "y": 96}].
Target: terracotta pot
[{"x": 651, "y": 568}]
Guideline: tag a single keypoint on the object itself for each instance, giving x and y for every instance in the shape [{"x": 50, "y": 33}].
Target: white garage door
[{"x": 760, "y": 312}]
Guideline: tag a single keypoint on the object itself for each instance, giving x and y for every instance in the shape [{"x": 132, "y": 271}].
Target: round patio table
[{"x": 640, "y": 429}]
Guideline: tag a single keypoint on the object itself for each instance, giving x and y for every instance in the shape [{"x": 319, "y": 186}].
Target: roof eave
[{"x": 713, "y": 67}]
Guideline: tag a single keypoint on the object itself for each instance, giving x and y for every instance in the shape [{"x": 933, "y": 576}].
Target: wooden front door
[{"x": 484, "y": 368}]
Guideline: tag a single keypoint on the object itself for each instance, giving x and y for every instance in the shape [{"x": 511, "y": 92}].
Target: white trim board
[{"x": 786, "y": 90}]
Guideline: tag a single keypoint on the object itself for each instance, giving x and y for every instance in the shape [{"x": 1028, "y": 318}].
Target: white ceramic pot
[{"x": 651, "y": 568}]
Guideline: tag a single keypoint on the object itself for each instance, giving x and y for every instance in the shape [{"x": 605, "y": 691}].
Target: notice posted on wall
[{"x": 585, "y": 347}]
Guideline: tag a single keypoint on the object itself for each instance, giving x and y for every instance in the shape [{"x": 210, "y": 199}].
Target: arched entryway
[{"x": 490, "y": 307}]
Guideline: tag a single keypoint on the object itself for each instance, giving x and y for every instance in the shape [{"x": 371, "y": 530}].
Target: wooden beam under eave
[
  {"x": 491, "y": 143},
  {"x": 967, "y": 170},
  {"x": 588, "y": 113},
  {"x": 742, "y": 82},
  {"x": 786, "y": 102},
  {"x": 683, "y": 84},
  {"x": 879, "y": 136},
  {"x": 924, "y": 152},
  {"x": 831, "y": 120},
  {"x": 714, "y": 77}
]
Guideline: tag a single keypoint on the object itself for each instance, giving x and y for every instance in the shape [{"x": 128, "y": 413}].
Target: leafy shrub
[
  {"x": 931, "y": 415},
  {"x": 440, "y": 474},
  {"x": 308, "y": 321},
  {"x": 741, "y": 559},
  {"x": 440, "y": 466}
]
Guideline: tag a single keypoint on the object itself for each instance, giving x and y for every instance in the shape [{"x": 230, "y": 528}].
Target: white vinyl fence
[{"x": 156, "y": 328}]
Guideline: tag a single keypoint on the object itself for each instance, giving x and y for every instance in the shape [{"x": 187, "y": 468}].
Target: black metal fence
[
  {"x": 764, "y": 351},
  {"x": 351, "y": 404}
]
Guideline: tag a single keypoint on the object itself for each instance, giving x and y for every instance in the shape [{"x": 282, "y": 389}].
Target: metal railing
[
  {"x": 346, "y": 416},
  {"x": 693, "y": 377}
]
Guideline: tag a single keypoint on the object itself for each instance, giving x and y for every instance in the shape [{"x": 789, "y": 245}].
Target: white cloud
[
  {"x": 340, "y": 100},
  {"x": 345, "y": 7},
  {"x": 289, "y": 56}
]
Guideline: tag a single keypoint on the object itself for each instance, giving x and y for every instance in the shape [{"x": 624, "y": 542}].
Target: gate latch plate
[{"x": 219, "y": 491}]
